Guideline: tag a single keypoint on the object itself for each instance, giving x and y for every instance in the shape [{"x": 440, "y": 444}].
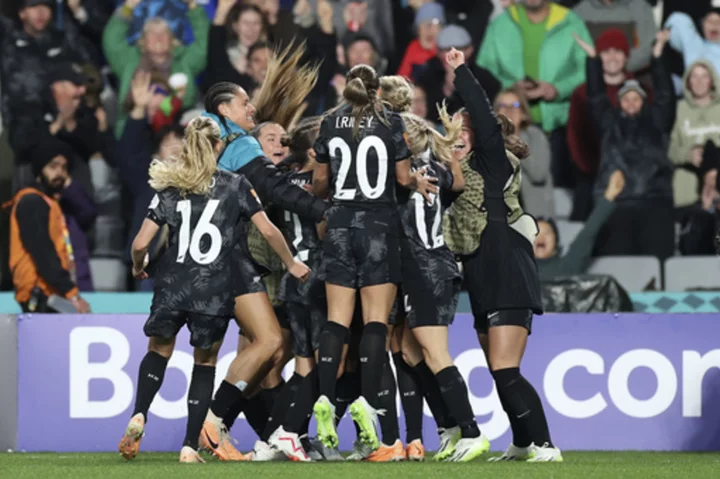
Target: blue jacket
[{"x": 243, "y": 155}]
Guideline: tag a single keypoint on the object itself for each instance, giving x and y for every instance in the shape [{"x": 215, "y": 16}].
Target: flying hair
[
  {"x": 397, "y": 93},
  {"x": 513, "y": 143},
  {"x": 192, "y": 171},
  {"x": 421, "y": 134},
  {"x": 281, "y": 98}
]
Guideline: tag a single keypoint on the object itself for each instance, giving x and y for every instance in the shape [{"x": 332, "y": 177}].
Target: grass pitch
[{"x": 584, "y": 465}]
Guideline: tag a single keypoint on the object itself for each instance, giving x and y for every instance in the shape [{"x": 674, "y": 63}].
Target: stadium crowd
[{"x": 92, "y": 90}]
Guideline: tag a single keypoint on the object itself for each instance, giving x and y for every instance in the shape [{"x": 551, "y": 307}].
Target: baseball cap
[
  {"x": 35, "y": 3},
  {"x": 430, "y": 12},
  {"x": 453, "y": 36},
  {"x": 632, "y": 85},
  {"x": 65, "y": 71}
]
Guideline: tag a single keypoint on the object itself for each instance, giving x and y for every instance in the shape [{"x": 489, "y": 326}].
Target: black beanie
[{"x": 48, "y": 149}]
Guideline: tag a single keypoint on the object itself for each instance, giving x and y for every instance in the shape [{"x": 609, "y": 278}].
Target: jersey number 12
[
  {"x": 346, "y": 160},
  {"x": 202, "y": 228}
]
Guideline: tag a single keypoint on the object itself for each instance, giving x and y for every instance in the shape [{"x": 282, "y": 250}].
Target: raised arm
[
  {"x": 195, "y": 55},
  {"x": 488, "y": 135},
  {"x": 684, "y": 36},
  {"x": 601, "y": 109}
]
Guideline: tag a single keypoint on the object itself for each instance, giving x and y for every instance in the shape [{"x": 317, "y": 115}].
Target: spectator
[
  {"x": 685, "y": 38},
  {"x": 64, "y": 114},
  {"x": 582, "y": 137},
  {"x": 280, "y": 25},
  {"x": 41, "y": 254},
  {"x": 550, "y": 258},
  {"x": 429, "y": 20},
  {"x": 699, "y": 224},
  {"x": 531, "y": 46},
  {"x": 633, "y": 17},
  {"x": 136, "y": 148},
  {"x": 437, "y": 76},
  {"x": 322, "y": 46},
  {"x": 28, "y": 52},
  {"x": 165, "y": 105},
  {"x": 156, "y": 50},
  {"x": 536, "y": 189},
  {"x": 419, "y": 103},
  {"x": 372, "y": 17},
  {"x": 230, "y": 64},
  {"x": 634, "y": 141},
  {"x": 357, "y": 48},
  {"x": 86, "y": 20},
  {"x": 697, "y": 122},
  {"x": 472, "y": 16}
]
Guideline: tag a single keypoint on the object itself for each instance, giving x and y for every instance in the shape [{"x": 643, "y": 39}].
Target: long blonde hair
[
  {"x": 283, "y": 94},
  {"x": 421, "y": 134},
  {"x": 192, "y": 171},
  {"x": 397, "y": 93}
]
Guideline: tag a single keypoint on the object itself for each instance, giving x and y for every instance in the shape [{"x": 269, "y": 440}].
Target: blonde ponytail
[
  {"x": 422, "y": 135},
  {"x": 192, "y": 171}
]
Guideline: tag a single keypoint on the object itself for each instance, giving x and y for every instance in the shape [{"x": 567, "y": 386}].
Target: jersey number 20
[
  {"x": 346, "y": 160},
  {"x": 202, "y": 228}
]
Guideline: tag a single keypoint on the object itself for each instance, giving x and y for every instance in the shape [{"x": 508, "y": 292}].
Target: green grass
[{"x": 583, "y": 465}]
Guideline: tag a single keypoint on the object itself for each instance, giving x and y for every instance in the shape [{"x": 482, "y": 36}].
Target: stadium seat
[
  {"x": 108, "y": 274},
  {"x": 563, "y": 199},
  {"x": 635, "y": 273},
  {"x": 687, "y": 273},
  {"x": 568, "y": 231}
]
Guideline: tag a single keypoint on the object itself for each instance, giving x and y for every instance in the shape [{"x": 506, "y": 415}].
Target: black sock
[
  {"x": 520, "y": 434},
  {"x": 372, "y": 356},
  {"x": 455, "y": 393},
  {"x": 431, "y": 392},
  {"x": 299, "y": 411},
  {"x": 387, "y": 400},
  {"x": 347, "y": 391},
  {"x": 234, "y": 411},
  {"x": 257, "y": 414},
  {"x": 226, "y": 395},
  {"x": 150, "y": 378},
  {"x": 332, "y": 340},
  {"x": 271, "y": 395},
  {"x": 280, "y": 397},
  {"x": 524, "y": 404},
  {"x": 198, "y": 402},
  {"x": 411, "y": 397}
]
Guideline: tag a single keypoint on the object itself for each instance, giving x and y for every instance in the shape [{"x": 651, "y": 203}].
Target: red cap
[{"x": 613, "y": 38}]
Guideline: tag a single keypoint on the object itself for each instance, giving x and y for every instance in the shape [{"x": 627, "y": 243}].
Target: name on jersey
[{"x": 349, "y": 122}]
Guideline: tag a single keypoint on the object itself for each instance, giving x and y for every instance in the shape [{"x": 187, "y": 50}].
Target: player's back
[
  {"x": 194, "y": 273},
  {"x": 362, "y": 157},
  {"x": 301, "y": 232}
]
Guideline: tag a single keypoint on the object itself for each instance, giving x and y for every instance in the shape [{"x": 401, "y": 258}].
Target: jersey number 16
[{"x": 202, "y": 228}]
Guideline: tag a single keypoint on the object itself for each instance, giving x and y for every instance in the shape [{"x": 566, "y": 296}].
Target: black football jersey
[
  {"x": 362, "y": 167},
  {"x": 300, "y": 231},
  {"x": 422, "y": 225},
  {"x": 194, "y": 273}
]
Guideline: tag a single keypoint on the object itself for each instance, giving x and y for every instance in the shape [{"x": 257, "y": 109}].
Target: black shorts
[
  {"x": 306, "y": 323},
  {"x": 205, "y": 329},
  {"x": 356, "y": 258},
  {"x": 431, "y": 305},
  {"x": 246, "y": 277},
  {"x": 503, "y": 317}
]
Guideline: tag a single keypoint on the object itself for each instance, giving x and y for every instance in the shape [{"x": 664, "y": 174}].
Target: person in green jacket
[
  {"x": 157, "y": 50},
  {"x": 531, "y": 46}
]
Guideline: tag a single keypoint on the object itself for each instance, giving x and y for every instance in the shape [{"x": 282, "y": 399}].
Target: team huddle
[{"x": 364, "y": 217}]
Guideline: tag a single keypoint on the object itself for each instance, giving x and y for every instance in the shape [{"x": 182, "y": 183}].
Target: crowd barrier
[
  {"x": 609, "y": 382},
  {"x": 653, "y": 302}
]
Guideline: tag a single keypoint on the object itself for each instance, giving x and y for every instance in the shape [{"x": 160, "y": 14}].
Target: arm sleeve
[
  {"x": 274, "y": 187},
  {"x": 33, "y": 215},
  {"x": 578, "y": 127},
  {"x": 489, "y": 141},
  {"x": 195, "y": 56},
  {"x": 217, "y": 59},
  {"x": 663, "y": 106},
  {"x": 115, "y": 45},
  {"x": 402, "y": 150},
  {"x": 248, "y": 199},
  {"x": 537, "y": 166},
  {"x": 321, "y": 144},
  {"x": 157, "y": 210},
  {"x": 576, "y": 75},
  {"x": 445, "y": 178},
  {"x": 579, "y": 254},
  {"x": 601, "y": 109},
  {"x": 646, "y": 29},
  {"x": 684, "y": 37}
]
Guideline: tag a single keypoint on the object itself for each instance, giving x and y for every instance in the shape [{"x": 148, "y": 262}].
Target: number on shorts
[
  {"x": 202, "y": 228},
  {"x": 346, "y": 160},
  {"x": 434, "y": 239}
]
